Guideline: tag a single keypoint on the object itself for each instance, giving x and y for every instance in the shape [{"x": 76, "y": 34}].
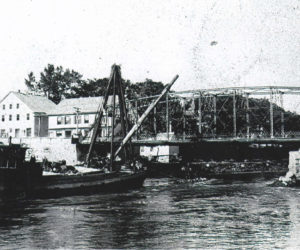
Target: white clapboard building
[
  {"x": 24, "y": 116},
  {"x": 76, "y": 116}
]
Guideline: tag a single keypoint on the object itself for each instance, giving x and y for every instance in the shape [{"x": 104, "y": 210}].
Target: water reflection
[{"x": 163, "y": 214}]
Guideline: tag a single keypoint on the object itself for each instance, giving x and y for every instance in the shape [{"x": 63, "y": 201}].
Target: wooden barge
[
  {"x": 86, "y": 184},
  {"x": 25, "y": 179}
]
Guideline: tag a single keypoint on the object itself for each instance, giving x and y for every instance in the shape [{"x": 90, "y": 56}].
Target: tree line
[{"x": 58, "y": 83}]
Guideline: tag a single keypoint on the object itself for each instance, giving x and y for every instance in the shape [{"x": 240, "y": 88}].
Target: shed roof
[{"x": 85, "y": 105}]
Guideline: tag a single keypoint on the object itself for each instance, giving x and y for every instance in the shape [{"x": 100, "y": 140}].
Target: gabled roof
[
  {"x": 38, "y": 104},
  {"x": 85, "y": 105}
]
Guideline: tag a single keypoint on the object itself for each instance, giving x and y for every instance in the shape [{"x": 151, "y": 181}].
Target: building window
[
  {"x": 58, "y": 134},
  {"x": 86, "y": 118},
  {"x": 17, "y": 132},
  {"x": 18, "y": 105},
  {"x": 68, "y": 133},
  {"x": 75, "y": 119},
  {"x": 3, "y": 106},
  {"x": 2, "y": 133},
  {"x": 10, "y": 117},
  {"x": 18, "y": 117},
  {"x": 103, "y": 121},
  {"x": 27, "y": 116},
  {"x": 28, "y": 132},
  {"x": 10, "y": 130},
  {"x": 67, "y": 119},
  {"x": 10, "y": 106},
  {"x": 3, "y": 118},
  {"x": 59, "y": 120}
]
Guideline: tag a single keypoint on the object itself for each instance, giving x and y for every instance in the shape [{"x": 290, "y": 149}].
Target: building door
[
  {"x": 28, "y": 132},
  {"x": 17, "y": 133}
]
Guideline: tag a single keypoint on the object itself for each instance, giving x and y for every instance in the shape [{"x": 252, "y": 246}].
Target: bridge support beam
[
  {"x": 136, "y": 118},
  {"x": 282, "y": 124},
  {"x": 106, "y": 124},
  {"x": 282, "y": 114},
  {"x": 271, "y": 117},
  {"x": 215, "y": 115},
  {"x": 234, "y": 114},
  {"x": 247, "y": 116},
  {"x": 184, "y": 120},
  {"x": 200, "y": 114},
  {"x": 167, "y": 116},
  {"x": 154, "y": 121}
]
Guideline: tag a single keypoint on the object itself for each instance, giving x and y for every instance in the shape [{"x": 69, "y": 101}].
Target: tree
[
  {"x": 143, "y": 89},
  {"x": 86, "y": 88},
  {"x": 92, "y": 87},
  {"x": 54, "y": 82}
]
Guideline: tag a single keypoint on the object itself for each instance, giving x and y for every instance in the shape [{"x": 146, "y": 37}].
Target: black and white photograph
[{"x": 138, "y": 124}]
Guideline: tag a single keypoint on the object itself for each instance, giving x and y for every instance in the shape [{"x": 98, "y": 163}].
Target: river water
[{"x": 164, "y": 213}]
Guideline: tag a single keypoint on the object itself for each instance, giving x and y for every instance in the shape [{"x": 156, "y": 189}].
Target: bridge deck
[
  {"x": 221, "y": 140},
  {"x": 212, "y": 140}
]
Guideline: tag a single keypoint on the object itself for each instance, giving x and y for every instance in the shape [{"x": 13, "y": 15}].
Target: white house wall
[
  {"x": 22, "y": 124},
  {"x": 54, "y": 126},
  {"x": 41, "y": 126}
]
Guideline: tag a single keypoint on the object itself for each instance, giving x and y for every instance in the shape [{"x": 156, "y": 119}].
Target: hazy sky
[{"x": 208, "y": 43}]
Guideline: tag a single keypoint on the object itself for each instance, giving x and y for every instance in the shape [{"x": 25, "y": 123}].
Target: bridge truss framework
[{"x": 207, "y": 108}]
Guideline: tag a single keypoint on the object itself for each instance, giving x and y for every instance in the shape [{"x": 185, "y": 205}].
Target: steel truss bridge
[{"x": 238, "y": 113}]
